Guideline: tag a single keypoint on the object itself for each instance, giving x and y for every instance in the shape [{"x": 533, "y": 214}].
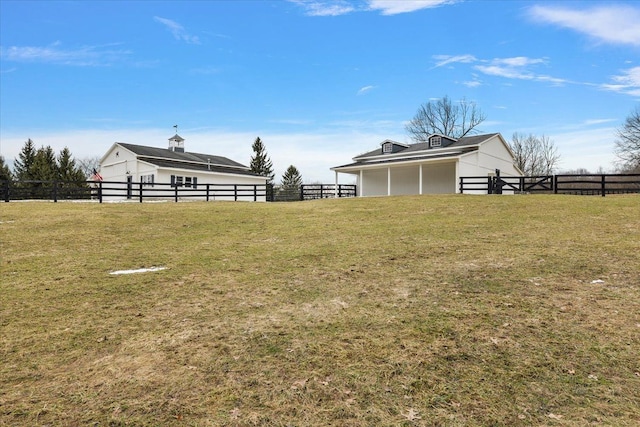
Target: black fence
[
  {"x": 102, "y": 191},
  {"x": 324, "y": 191},
  {"x": 592, "y": 184}
]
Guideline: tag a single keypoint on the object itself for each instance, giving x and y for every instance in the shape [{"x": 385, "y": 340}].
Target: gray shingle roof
[
  {"x": 462, "y": 142},
  {"x": 163, "y": 157}
]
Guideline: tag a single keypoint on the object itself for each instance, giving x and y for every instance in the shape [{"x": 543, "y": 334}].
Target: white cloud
[
  {"x": 628, "y": 82},
  {"x": 451, "y": 59},
  {"x": 385, "y": 7},
  {"x": 394, "y": 7},
  {"x": 365, "y": 89},
  {"x": 525, "y": 68},
  {"x": 325, "y": 8},
  {"x": 616, "y": 24},
  {"x": 178, "y": 31},
  {"x": 592, "y": 122},
  {"x": 84, "y": 56},
  {"x": 472, "y": 83},
  {"x": 519, "y": 67}
]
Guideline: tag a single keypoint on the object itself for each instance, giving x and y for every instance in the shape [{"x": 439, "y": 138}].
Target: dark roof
[
  {"x": 462, "y": 142},
  {"x": 395, "y": 159},
  {"x": 164, "y": 157}
]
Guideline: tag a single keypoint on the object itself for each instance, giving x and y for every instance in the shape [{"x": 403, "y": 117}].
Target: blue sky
[{"x": 319, "y": 81}]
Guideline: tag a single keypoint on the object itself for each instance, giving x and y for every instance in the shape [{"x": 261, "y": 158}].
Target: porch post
[
  {"x": 335, "y": 187},
  {"x": 361, "y": 183},
  {"x": 388, "y": 180},
  {"x": 420, "y": 182}
]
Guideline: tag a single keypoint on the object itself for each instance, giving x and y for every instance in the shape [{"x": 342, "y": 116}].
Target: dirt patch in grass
[{"x": 426, "y": 311}]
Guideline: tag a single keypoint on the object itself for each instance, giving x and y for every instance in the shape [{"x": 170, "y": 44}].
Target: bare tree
[
  {"x": 445, "y": 117},
  {"x": 628, "y": 142},
  {"x": 89, "y": 164},
  {"x": 534, "y": 155}
]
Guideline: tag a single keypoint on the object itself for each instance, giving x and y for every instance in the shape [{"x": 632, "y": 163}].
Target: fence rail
[
  {"x": 324, "y": 191},
  {"x": 138, "y": 191},
  {"x": 592, "y": 184},
  {"x": 135, "y": 191}
]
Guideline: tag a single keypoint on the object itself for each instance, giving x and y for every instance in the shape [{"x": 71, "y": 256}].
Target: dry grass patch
[{"x": 451, "y": 310}]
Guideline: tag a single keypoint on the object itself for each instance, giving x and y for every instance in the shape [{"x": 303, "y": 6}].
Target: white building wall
[
  {"x": 405, "y": 180},
  {"x": 117, "y": 163},
  {"x": 124, "y": 166},
  {"x": 494, "y": 155},
  {"x": 439, "y": 178},
  {"x": 375, "y": 182}
]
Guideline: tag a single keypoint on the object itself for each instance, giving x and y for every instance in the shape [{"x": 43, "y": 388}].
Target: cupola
[{"x": 176, "y": 143}]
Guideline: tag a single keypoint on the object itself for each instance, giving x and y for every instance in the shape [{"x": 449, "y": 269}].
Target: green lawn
[{"x": 397, "y": 311}]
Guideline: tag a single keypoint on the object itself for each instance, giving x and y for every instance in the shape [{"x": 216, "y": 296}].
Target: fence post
[
  {"x": 522, "y": 184},
  {"x": 603, "y": 185},
  {"x": 55, "y": 191},
  {"x": 176, "y": 193},
  {"x": 255, "y": 192},
  {"x": 235, "y": 192},
  {"x": 461, "y": 185},
  {"x": 100, "y": 191},
  {"x": 555, "y": 184},
  {"x": 302, "y": 192},
  {"x": 6, "y": 191},
  {"x": 140, "y": 191},
  {"x": 207, "y": 192},
  {"x": 498, "y": 182},
  {"x": 490, "y": 181}
]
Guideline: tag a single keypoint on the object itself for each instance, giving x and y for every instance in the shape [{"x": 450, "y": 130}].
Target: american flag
[{"x": 96, "y": 175}]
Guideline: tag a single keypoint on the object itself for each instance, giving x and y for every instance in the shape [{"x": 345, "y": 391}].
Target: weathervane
[{"x": 176, "y": 126}]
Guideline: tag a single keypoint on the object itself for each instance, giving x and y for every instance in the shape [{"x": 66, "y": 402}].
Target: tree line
[{"x": 42, "y": 164}]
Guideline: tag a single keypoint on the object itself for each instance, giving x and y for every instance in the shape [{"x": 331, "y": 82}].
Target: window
[
  {"x": 187, "y": 181},
  {"x": 146, "y": 180},
  {"x": 387, "y": 147},
  {"x": 179, "y": 181},
  {"x": 436, "y": 141}
]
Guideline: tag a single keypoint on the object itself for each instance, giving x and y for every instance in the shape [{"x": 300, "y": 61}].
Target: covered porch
[{"x": 408, "y": 178}]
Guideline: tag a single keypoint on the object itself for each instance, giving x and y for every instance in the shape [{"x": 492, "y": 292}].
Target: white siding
[
  {"x": 405, "y": 180},
  {"x": 439, "y": 178},
  {"x": 375, "y": 182},
  {"x": 118, "y": 168}
]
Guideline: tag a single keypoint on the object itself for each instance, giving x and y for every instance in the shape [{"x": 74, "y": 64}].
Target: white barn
[
  {"x": 143, "y": 166},
  {"x": 432, "y": 167}
]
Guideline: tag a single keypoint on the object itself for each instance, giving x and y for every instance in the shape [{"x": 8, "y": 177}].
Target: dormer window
[
  {"x": 435, "y": 141},
  {"x": 387, "y": 147}
]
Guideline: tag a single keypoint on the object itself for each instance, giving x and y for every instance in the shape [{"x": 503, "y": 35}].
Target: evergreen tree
[
  {"x": 5, "y": 172},
  {"x": 44, "y": 166},
  {"x": 260, "y": 161},
  {"x": 291, "y": 179},
  {"x": 67, "y": 169},
  {"x": 22, "y": 166}
]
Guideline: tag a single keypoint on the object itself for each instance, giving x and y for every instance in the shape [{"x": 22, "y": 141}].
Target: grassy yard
[{"x": 400, "y": 311}]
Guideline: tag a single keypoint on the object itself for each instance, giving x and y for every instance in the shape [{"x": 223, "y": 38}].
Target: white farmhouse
[
  {"x": 139, "y": 166},
  {"x": 429, "y": 167}
]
